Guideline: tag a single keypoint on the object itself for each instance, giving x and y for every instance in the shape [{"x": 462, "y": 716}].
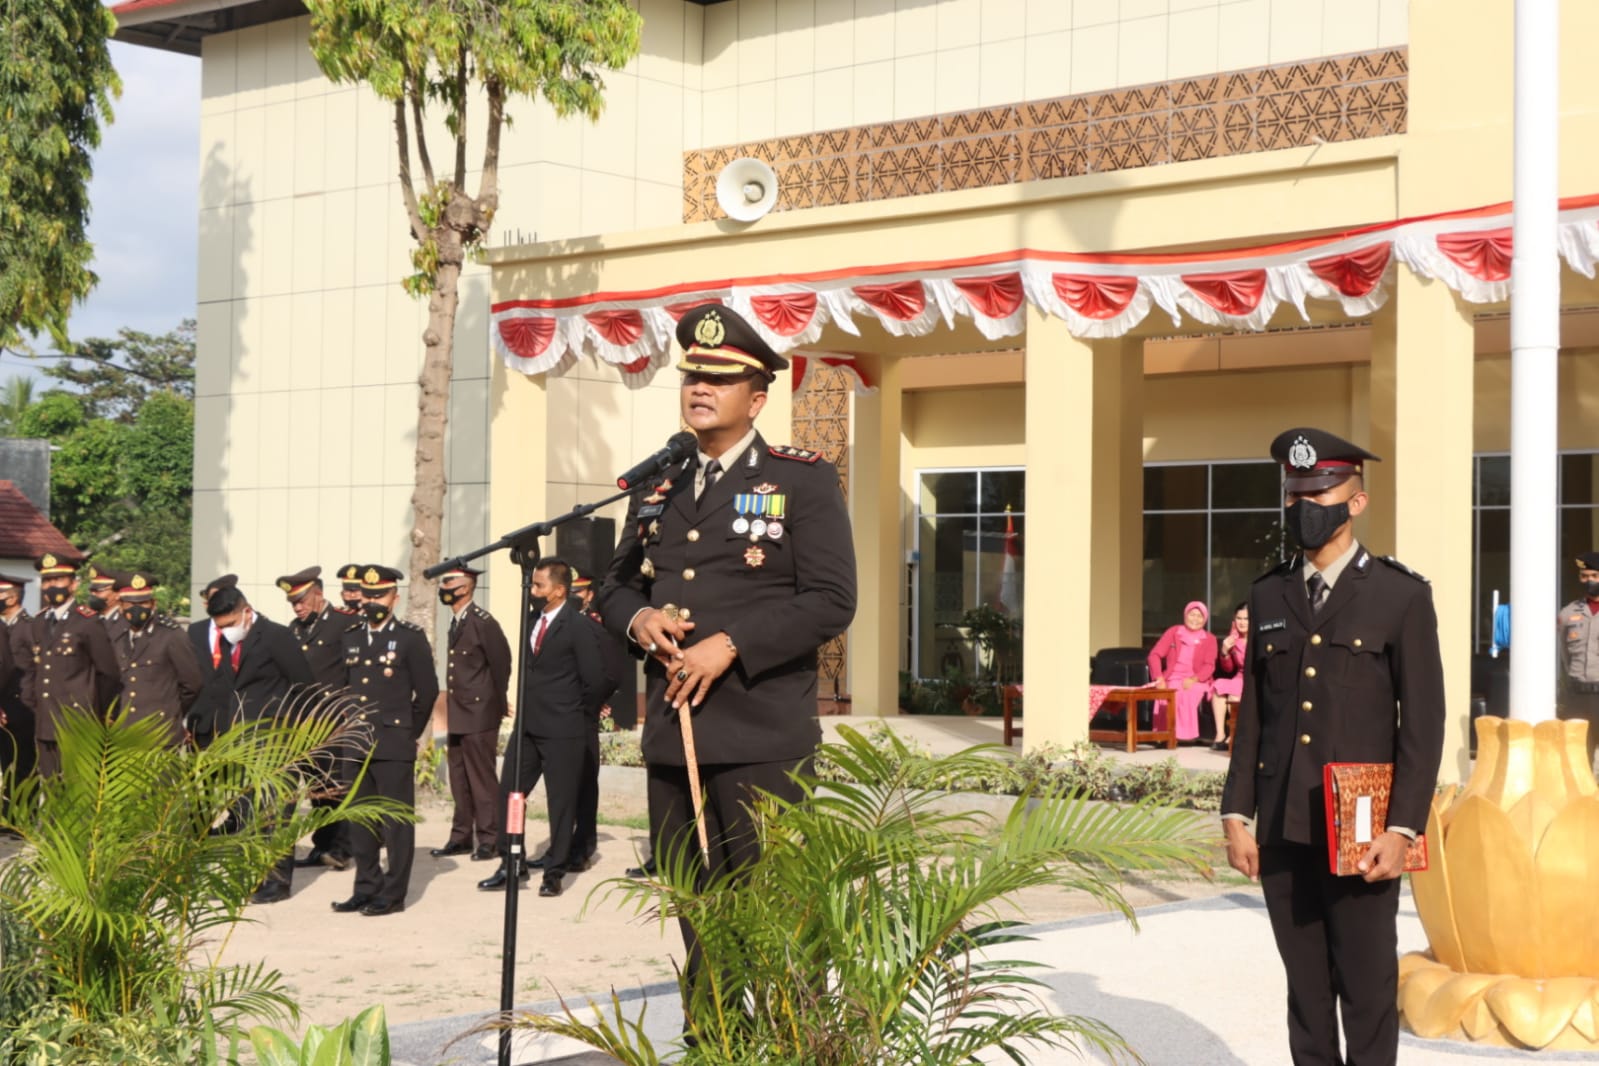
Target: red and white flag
[{"x": 1010, "y": 578}]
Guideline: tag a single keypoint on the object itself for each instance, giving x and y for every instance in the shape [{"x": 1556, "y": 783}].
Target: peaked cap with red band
[
  {"x": 137, "y": 588},
  {"x": 379, "y": 579},
  {"x": 295, "y": 586},
  {"x": 51, "y": 565},
  {"x": 1313, "y": 459},
  {"x": 461, "y": 571},
  {"x": 716, "y": 341},
  {"x": 7, "y": 582}
]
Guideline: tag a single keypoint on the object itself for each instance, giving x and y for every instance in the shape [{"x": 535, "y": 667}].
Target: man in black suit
[
  {"x": 1340, "y": 641},
  {"x": 265, "y": 671},
  {"x": 389, "y": 671},
  {"x": 733, "y": 569},
  {"x": 557, "y": 711},
  {"x": 216, "y": 697},
  {"x": 16, "y": 674}
]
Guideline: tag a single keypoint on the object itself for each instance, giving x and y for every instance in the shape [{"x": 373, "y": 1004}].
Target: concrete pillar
[
  {"x": 1084, "y": 518},
  {"x": 518, "y": 480},
  {"x": 1422, "y": 366},
  {"x": 876, "y": 515}
]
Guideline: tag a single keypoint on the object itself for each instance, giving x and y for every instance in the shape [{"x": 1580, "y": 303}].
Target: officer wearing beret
[
  {"x": 105, "y": 599},
  {"x": 389, "y": 671},
  {"x": 74, "y": 663},
  {"x": 475, "y": 687},
  {"x": 16, "y": 676},
  {"x": 1579, "y": 651},
  {"x": 160, "y": 675},
  {"x": 205, "y": 641},
  {"x": 320, "y": 627},
  {"x": 1339, "y": 641},
  {"x": 732, "y": 570}
]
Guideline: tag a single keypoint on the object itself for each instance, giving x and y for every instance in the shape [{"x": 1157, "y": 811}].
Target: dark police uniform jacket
[
  {"x": 779, "y": 598},
  {"x": 322, "y": 642},
  {"x": 160, "y": 677},
  {"x": 16, "y": 666},
  {"x": 116, "y": 625},
  {"x": 1361, "y": 681},
  {"x": 389, "y": 673},
  {"x": 479, "y": 671},
  {"x": 74, "y": 666}
]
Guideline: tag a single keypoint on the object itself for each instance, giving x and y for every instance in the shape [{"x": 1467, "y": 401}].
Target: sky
[{"x": 143, "y": 198}]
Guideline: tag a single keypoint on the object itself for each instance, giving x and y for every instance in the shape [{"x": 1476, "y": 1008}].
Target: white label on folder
[{"x": 1362, "y": 819}]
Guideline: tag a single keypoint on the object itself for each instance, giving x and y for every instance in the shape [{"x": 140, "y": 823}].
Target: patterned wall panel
[
  {"x": 1341, "y": 98},
  {"x": 821, "y": 423}
]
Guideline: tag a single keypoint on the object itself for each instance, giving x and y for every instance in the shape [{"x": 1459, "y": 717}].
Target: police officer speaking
[{"x": 1340, "y": 641}]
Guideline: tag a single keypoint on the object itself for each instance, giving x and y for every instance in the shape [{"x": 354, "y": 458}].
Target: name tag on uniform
[
  {"x": 652, "y": 510},
  {"x": 1274, "y": 624}
]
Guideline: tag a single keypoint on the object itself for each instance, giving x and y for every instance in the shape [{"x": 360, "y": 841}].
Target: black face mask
[
  {"x": 353, "y": 603},
  {"x": 376, "y": 613},
  {"x": 1312, "y": 525},
  {"x": 1590, "y": 589},
  {"x": 449, "y": 596},
  {"x": 97, "y": 604},
  {"x": 139, "y": 617},
  {"x": 55, "y": 597},
  {"x": 538, "y": 603}
]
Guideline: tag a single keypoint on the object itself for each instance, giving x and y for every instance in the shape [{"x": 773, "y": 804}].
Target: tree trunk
[{"x": 432, "y": 418}]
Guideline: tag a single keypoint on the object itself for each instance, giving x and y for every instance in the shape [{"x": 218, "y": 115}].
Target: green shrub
[
  {"x": 54, "y": 1036},
  {"x": 359, "y": 1041}
]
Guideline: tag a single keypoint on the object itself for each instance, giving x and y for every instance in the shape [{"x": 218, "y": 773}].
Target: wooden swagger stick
[{"x": 691, "y": 761}]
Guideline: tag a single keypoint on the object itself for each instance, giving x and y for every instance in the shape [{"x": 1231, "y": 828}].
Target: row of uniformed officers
[{"x": 237, "y": 665}]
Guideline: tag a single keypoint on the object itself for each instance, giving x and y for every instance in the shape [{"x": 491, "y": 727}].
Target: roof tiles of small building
[{"x": 25, "y": 533}]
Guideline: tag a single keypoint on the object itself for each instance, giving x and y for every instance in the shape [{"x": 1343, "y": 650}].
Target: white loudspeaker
[{"x": 746, "y": 189}]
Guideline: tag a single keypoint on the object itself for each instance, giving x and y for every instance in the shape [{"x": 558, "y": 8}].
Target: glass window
[
  {"x": 1579, "y": 480},
  {"x": 1175, "y": 568},
  {"x": 1176, "y": 488},
  {"x": 950, "y": 493},
  {"x": 1493, "y": 481},
  {"x": 1245, "y": 486}
]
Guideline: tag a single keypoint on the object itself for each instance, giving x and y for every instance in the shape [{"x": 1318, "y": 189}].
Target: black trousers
[
  {"x": 48, "y": 762},
  {"x": 473, "y": 789},
  {"x": 16, "y": 742},
  {"x": 729, "y": 822},
  {"x": 586, "y": 833},
  {"x": 559, "y": 761},
  {"x": 1339, "y": 946},
  {"x": 395, "y": 780}
]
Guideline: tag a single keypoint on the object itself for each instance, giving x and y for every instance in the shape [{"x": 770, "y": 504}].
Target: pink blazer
[{"x": 1164, "y": 654}]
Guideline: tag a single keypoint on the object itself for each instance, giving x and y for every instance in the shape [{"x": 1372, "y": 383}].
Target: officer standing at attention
[
  {"x": 320, "y": 627},
  {"x": 1340, "y": 641},
  {"x": 389, "y": 671},
  {"x": 475, "y": 689},
  {"x": 1579, "y": 651},
  {"x": 74, "y": 663},
  {"x": 160, "y": 675},
  {"x": 733, "y": 569}
]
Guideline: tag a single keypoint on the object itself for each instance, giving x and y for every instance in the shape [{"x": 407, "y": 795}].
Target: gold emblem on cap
[
  {"x": 139, "y": 582},
  {"x": 48, "y": 560},
  {"x": 371, "y": 577},
  {"x": 285, "y": 585},
  {"x": 709, "y": 330}
]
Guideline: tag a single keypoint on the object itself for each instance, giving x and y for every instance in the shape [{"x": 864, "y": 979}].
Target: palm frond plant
[
  {"x": 870, "y": 931},
  {"x": 136, "y": 854}
]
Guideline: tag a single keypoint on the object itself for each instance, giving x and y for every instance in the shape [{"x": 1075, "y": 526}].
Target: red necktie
[
  {"x": 538, "y": 634},
  {"x": 236, "y": 656}
]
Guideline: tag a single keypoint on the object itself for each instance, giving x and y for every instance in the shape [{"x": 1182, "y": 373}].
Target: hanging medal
[{"x": 744, "y": 503}]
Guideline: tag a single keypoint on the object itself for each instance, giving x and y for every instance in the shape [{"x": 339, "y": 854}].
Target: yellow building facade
[{"x": 939, "y": 147}]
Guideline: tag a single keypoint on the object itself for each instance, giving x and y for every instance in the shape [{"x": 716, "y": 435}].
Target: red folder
[{"x": 1357, "y": 812}]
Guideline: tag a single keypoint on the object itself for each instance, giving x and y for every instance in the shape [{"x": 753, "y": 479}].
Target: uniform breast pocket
[
  {"x": 1357, "y": 659},
  {"x": 1274, "y": 662},
  {"x": 392, "y": 720}
]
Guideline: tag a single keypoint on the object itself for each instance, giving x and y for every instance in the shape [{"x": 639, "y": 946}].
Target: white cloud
[{"x": 144, "y": 198}]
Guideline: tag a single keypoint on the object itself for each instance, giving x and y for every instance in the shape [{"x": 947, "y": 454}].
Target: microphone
[{"x": 679, "y": 447}]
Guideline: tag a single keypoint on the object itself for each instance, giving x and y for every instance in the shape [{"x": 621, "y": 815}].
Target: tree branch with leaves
[{"x": 439, "y": 57}]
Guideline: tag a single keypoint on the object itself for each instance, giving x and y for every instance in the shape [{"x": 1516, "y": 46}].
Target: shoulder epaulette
[
  {"x": 408, "y": 625},
  {"x": 1402, "y": 568},
  {"x": 345, "y": 611},
  {"x": 168, "y": 621},
  {"x": 1285, "y": 567},
  {"x": 479, "y": 612},
  {"x": 802, "y": 455},
  {"x": 85, "y": 612}
]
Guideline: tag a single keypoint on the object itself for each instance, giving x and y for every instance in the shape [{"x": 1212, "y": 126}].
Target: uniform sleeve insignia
[
  {"x": 801, "y": 455},
  {"x": 1402, "y": 568}
]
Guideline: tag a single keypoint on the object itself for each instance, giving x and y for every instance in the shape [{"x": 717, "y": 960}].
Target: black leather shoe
[
  {"x": 351, "y": 905},
  {"x": 587, "y": 862},
  {"x": 312, "y": 858},
  {"x": 639, "y": 873},
  {"x": 378, "y": 910},
  {"x": 450, "y": 849},
  {"x": 275, "y": 892},
  {"x": 497, "y": 879},
  {"x": 550, "y": 886},
  {"x": 485, "y": 853},
  {"x": 538, "y": 863},
  {"x": 334, "y": 861}
]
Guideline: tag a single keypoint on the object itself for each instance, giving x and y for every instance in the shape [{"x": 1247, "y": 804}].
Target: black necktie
[
  {"x": 1316, "y": 587},
  {"x": 455, "y": 623},
  {"x": 713, "y": 470}
]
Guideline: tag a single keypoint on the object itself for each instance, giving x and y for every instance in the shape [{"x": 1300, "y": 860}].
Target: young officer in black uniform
[
  {"x": 479, "y": 673},
  {"x": 389, "y": 672},
  {"x": 160, "y": 675},
  {"x": 320, "y": 627},
  {"x": 1340, "y": 642},
  {"x": 753, "y": 542}
]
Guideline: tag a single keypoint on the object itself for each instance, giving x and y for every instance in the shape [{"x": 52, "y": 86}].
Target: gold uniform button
[
  {"x": 1357, "y": 642},
  {"x": 1271, "y": 647},
  {"x": 688, "y": 574},
  {"x": 305, "y": 647},
  {"x": 1305, "y": 706},
  {"x": 693, "y": 535},
  {"x": 1304, "y": 738},
  {"x": 1260, "y": 766},
  {"x": 366, "y": 681},
  {"x": 1310, "y": 671},
  {"x": 1316, "y": 639}
]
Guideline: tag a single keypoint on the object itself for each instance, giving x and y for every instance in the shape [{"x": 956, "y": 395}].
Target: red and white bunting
[{"x": 1097, "y": 295}]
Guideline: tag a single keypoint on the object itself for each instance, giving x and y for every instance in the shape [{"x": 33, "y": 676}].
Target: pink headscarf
[{"x": 1193, "y": 606}]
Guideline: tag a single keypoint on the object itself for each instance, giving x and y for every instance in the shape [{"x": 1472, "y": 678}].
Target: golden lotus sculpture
[{"x": 1510, "y": 901}]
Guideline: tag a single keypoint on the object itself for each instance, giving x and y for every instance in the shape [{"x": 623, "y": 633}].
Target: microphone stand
[{"x": 523, "y": 545}]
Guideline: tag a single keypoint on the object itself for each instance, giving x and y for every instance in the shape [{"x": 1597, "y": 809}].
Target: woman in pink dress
[
  {"x": 1229, "y": 683},
  {"x": 1184, "y": 659}
]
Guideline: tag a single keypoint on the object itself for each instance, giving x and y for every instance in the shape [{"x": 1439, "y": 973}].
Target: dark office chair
[{"x": 1124, "y": 668}]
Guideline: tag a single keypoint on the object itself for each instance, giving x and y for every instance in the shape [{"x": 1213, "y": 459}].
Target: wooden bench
[{"x": 1129, "y": 699}]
